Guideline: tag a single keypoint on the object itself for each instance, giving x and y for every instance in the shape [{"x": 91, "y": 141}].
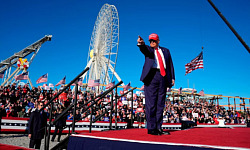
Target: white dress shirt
[{"x": 156, "y": 63}]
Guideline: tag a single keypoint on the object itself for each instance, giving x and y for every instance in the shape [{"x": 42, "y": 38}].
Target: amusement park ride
[
  {"x": 19, "y": 61},
  {"x": 103, "y": 48}
]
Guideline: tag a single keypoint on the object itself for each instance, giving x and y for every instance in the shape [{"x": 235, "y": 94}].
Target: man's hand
[
  {"x": 173, "y": 82},
  {"x": 29, "y": 135},
  {"x": 140, "y": 40}
]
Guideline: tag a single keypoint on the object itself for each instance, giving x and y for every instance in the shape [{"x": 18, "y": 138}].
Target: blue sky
[{"x": 183, "y": 26}]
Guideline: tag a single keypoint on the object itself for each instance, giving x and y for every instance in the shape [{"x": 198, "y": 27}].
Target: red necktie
[{"x": 162, "y": 69}]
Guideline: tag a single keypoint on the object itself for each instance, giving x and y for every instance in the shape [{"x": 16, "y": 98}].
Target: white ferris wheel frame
[{"x": 103, "y": 48}]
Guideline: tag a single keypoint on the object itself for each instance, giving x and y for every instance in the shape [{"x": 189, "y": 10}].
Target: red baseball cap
[{"x": 153, "y": 36}]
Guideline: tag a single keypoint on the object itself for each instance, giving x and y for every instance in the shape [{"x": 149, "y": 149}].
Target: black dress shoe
[
  {"x": 153, "y": 132},
  {"x": 161, "y": 132}
]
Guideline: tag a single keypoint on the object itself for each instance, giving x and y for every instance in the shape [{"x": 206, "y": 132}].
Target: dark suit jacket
[
  {"x": 37, "y": 124},
  {"x": 149, "y": 61},
  {"x": 61, "y": 123}
]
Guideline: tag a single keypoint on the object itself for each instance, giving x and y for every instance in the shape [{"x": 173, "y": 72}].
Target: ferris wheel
[{"x": 103, "y": 48}]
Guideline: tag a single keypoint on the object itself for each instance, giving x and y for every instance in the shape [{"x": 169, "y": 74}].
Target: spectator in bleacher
[
  {"x": 70, "y": 116},
  {"x": 105, "y": 118},
  {"x": 242, "y": 120},
  {"x": 78, "y": 115},
  {"x": 22, "y": 113},
  {"x": 227, "y": 119},
  {"x": 3, "y": 111},
  {"x": 31, "y": 104},
  {"x": 11, "y": 112},
  {"x": 123, "y": 116}
]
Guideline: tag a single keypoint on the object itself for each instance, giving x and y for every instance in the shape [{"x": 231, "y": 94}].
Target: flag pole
[{"x": 30, "y": 82}]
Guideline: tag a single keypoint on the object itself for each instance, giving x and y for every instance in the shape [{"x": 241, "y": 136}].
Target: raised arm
[{"x": 143, "y": 48}]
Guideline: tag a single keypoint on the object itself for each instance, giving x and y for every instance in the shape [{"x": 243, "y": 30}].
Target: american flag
[
  {"x": 79, "y": 82},
  {"x": 23, "y": 76},
  {"x": 126, "y": 87},
  {"x": 51, "y": 85},
  {"x": 201, "y": 93},
  {"x": 46, "y": 88},
  {"x": 92, "y": 83},
  {"x": 43, "y": 78},
  {"x": 61, "y": 81},
  {"x": 1, "y": 74},
  {"x": 110, "y": 85},
  {"x": 196, "y": 63}
]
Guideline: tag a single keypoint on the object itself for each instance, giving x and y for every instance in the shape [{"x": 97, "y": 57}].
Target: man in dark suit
[
  {"x": 157, "y": 75},
  {"x": 37, "y": 125},
  {"x": 60, "y": 124}
]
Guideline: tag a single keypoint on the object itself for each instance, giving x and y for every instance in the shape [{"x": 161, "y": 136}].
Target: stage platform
[
  {"x": 12, "y": 147},
  {"x": 195, "y": 138},
  {"x": 20, "y": 125}
]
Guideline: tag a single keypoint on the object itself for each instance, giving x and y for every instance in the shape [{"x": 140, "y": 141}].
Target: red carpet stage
[
  {"x": 12, "y": 147},
  {"x": 196, "y": 138}
]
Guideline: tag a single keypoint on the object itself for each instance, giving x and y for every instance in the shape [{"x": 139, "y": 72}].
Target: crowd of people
[
  {"x": 201, "y": 111},
  {"x": 20, "y": 101}
]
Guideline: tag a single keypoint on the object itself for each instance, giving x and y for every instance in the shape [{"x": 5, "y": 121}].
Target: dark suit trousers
[
  {"x": 155, "y": 95},
  {"x": 59, "y": 134},
  {"x": 36, "y": 143}
]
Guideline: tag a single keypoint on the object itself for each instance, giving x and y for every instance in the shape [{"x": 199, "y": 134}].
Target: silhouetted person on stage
[
  {"x": 157, "y": 75},
  {"x": 37, "y": 125},
  {"x": 59, "y": 125}
]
